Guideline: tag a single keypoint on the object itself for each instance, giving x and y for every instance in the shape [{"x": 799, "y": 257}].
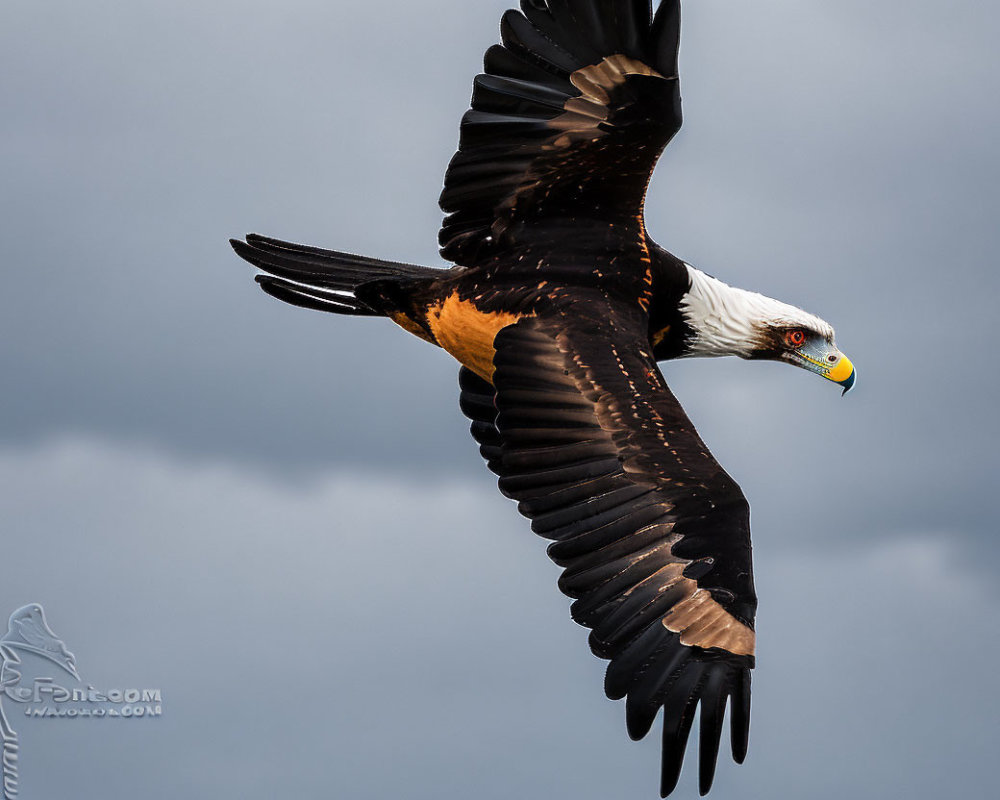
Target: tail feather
[
  {"x": 325, "y": 280},
  {"x": 316, "y": 299}
]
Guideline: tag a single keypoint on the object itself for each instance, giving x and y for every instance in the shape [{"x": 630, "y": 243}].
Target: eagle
[{"x": 559, "y": 307}]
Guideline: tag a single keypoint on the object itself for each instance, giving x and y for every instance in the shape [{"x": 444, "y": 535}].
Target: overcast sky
[{"x": 278, "y": 517}]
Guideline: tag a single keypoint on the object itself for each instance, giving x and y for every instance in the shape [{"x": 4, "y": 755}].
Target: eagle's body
[
  {"x": 463, "y": 310},
  {"x": 558, "y": 308}
]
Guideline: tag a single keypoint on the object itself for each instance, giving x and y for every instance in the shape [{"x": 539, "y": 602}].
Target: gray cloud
[
  {"x": 360, "y": 636},
  {"x": 840, "y": 158},
  {"x": 822, "y": 161}
]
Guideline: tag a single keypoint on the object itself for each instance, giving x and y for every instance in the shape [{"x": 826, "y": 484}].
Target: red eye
[{"x": 795, "y": 338}]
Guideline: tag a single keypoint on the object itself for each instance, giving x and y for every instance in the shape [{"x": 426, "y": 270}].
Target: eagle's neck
[{"x": 726, "y": 321}]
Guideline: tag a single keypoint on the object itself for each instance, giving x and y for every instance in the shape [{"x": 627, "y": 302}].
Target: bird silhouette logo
[{"x": 27, "y": 632}]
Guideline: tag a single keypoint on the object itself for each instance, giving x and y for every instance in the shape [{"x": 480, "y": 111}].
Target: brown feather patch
[
  {"x": 596, "y": 83},
  {"x": 702, "y": 622},
  {"x": 467, "y": 332},
  {"x": 410, "y": 326}
]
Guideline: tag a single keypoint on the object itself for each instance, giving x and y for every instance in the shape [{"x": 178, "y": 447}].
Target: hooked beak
[
  {"x": 827, "y": 361},
  {"x": 851, "y": 379}
]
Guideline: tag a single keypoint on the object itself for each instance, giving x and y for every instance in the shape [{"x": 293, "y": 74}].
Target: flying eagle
[{"x": 558, "y": 308}]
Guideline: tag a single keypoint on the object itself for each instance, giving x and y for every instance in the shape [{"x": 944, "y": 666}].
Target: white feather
[{"x": 727, "y": 321}]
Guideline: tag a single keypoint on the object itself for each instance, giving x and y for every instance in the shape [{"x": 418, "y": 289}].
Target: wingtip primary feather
[
  {"x": 739, "y": 717},
  {"x": 713, "y": 709},
  {"x": 675, "y": 736}
]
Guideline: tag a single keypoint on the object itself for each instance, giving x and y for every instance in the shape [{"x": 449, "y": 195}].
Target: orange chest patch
[{"x": 467, "y": 332}]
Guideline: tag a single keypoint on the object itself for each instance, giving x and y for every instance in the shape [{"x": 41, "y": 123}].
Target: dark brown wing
[
  {"x": 652, "y": 534},
  {"x": 567, "y": 122}
]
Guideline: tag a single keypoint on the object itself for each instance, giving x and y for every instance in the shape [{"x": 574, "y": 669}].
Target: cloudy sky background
[{"x": 277, "y": 516}]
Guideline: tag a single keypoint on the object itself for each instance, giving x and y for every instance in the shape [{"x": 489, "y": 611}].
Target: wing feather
[
  {"x": 652, "y": 534},
  {"x": 567, "y": 121}
]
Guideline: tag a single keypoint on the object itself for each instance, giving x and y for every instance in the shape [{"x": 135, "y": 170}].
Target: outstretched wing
[
  {"x": 652, "y": 534},
  {"x": 567, "y": 122}
]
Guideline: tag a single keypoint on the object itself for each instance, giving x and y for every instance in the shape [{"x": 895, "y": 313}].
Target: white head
[{"x": 726, "y": 321}]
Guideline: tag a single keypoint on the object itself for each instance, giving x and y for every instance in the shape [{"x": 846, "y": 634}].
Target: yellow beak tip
[{"x": 843, "y": 372}]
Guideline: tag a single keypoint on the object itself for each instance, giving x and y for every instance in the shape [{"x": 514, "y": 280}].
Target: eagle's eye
[{"x": 795, "y": 338}]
